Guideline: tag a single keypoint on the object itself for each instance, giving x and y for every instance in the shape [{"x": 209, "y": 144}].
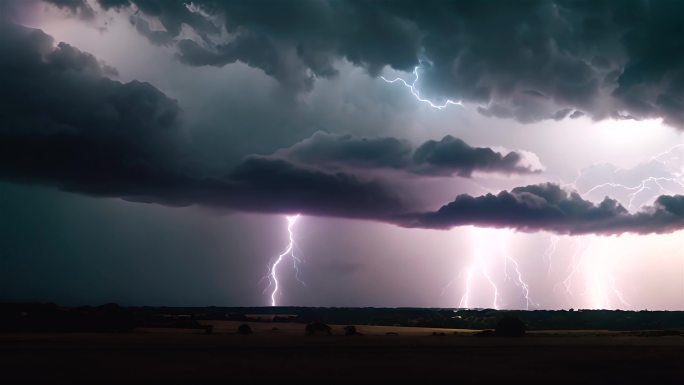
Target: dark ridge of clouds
[
  {"x": 275, "y": 185},
  {"x": 523, "y": 60},
  {"x": 454, "y": 156},
  {"x": 64, "y": 124},
  {"x": 547, "y": 207},
  {"x": 155, "y": 37},
  {"x": 446, "y": 157},
  {"x": 279, "y": 63},
  {"x": 348, "y": 151}
]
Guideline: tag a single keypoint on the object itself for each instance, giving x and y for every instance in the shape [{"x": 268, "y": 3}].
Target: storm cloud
[
  {"x": 454, "y": 156},
  {"x": 446, "y": 157},
  {"x": 526, "y": 60},
  {"x": 547, "y": 207},
  {"x": 65, "y": 123}
]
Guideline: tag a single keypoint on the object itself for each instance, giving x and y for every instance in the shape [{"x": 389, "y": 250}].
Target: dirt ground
[{"x": 175, "y": 356}]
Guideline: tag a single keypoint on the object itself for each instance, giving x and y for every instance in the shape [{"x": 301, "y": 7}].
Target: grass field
[{"x": 184, "y": 356}]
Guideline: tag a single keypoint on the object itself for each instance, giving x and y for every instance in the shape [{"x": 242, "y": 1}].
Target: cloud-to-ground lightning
[
  {"x": 592, "y": 262},
  {"x": 414, "y": 90},
  {"x": 550, "y": 251},
  {"x": 591, "y": 265},
  {"x": 599, "y": 283},
  {"x": 519, "y": 281},
  {"x": 480, "y": 265},
  {"x": 490, "y": 246},
  {"x": 289, "y": 251}
]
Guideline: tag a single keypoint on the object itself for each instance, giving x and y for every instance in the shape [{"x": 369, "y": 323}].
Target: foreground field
[{"x": 149, "y": 356}]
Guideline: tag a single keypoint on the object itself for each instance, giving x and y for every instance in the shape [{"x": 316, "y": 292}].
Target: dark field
[{"x": 189, "y": 356}]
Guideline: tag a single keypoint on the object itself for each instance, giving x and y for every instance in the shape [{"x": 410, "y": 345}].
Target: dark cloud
[
  {"x": 65, "y": 124},
  {"x": 348, "y": 151},
  {"x": 454, "y": 156},
  {"x": 449, "y": 156},
  {"x": 525, "y": 60},
  {"x": 294, "y": 42},
  {"x": 275, "y": 185},
  {"x": 156, "y": 37},
  {"x": 77, "y": 7},
  {"x": 547, "y": 207}
]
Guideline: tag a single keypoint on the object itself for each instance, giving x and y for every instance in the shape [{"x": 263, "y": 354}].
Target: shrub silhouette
[
  {"x": 351, "y": 331},
  {"x": 485, "y": 333},
  {"x": 244, "y": 329},
  {"x": 317, "y": 327},
  {"x": 510, "y": 326}
]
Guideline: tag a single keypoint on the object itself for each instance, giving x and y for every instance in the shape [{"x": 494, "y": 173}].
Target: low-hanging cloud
[
  {"x": 547, "y": 207},
  {"x": 454, "y": 156},
  {"x": 446, "y": 157}
]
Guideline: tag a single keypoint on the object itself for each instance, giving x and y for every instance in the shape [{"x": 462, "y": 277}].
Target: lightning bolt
[
  {"x": 640, "y": 188},
  {"x": 483, "y": 257},
  {"x": 519, "y": 280},
  {"x": 592, "y": 263},
  {"x": 550, "y": 251},
  {"x": 289, "y": 251},
  {"x": 596, "y": 273},
  {"x": 674, "y": 158},
  {"x": 479, "y": 264},
  {"x": 414, "y": 90},
  {"x": 592, "y": 258},
  {"x": 651, "y": 182},
  {"x": 465, "y": 299}
]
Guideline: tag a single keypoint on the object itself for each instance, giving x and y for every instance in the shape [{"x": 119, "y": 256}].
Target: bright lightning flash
[
  {"x": 414, "y": 90},
  {"x": 600, "y": 283},
  {"x": 592, "y": 257},
  {"x": 480, "y": 264},
  {"x": 490, "y": 246},
  {"x": 289, "y": 251}
]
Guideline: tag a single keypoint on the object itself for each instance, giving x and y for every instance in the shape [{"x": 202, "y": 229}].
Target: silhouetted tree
[
  {"x": 244, "y": 329},
  {"x": 317, "y": 327},
  {"x": 510, "y": 326},
  {"x": 350, "y": 330}
]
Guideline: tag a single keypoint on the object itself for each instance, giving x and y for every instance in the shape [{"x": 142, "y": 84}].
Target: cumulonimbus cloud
[
  {"x": 65, "y": 124},
  {"x": 526, "y": 60}
]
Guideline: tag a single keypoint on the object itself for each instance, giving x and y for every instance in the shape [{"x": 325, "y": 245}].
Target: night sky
[{"x": 503, "y": 154}]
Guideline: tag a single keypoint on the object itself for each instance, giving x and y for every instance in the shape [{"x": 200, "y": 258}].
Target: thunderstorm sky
[{"x": 524, "y": 155}]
